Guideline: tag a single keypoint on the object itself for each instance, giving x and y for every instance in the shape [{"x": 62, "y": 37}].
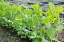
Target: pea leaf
[
  {"x": 59, "y": 9},
  {"x": 51, "y": 33},
  {"x": 35, "y": 6},
  {"x": 60, "y": 28},
  {"x": 1, "y": 12},
  {"x": 57, "y": 22},
  {"x": 19, "y": 7},
  {"x": 38, "y": 40},
  {"x": 51, "y": 6}
]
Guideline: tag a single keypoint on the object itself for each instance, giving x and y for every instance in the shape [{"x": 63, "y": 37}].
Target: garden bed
[{"x": 28, "y": 25}]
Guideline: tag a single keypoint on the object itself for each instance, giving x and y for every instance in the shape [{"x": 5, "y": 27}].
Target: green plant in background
[{"x": 32, "y": 23}]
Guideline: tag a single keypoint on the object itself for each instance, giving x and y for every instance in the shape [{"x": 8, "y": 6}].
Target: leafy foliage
[{"x": 31, "y": 22}]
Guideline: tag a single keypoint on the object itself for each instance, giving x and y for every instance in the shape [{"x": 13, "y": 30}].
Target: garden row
[{"x": 32, "y": 23}]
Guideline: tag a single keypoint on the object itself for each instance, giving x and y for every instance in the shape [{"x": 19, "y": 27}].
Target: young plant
[{"x": 32, "y": 23}]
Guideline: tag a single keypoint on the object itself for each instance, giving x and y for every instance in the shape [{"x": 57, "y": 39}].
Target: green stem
[
  {"x": 57, "y": 36},
  {"x": 51, "y": 40}
]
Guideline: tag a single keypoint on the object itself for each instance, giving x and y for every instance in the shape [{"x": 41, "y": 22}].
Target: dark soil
[{"x": 7, "y": 35}]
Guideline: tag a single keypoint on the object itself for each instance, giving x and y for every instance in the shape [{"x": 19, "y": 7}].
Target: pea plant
[{"x": 32, "y": 22}]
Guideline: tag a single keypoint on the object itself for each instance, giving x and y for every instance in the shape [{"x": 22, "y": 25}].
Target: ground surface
[{"x": 6, "y": 36}]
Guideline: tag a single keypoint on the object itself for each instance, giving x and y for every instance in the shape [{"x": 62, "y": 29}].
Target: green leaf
[
  {"x": 19, "y": 32},
  {"x": 19, "y": 7},
  {"x": 54, "y": 19},
  {"x": 33, "y": 34},
  {"x": 47, "y": 20},
  {"x": 35, "y": 6},
  {"x": 38, "y": 40},
  {"x": 1, "y": 12},
  {"x": 51, "y": 33},
  {"x": 51, "y": 6},
  {"x": 16, "y": 22},
  {"x": 60, "y": 28},
  {"x": 32, "y": 37},
  {"x": 59, "y": 9},
  {"x": 14, "y": 9},
  {"x": 41, "y": 32},
  {"x": 19, "y": 16},
  {"x": 48, "y": 13},
  {"x": 57, "y": 22},
  {"x": 48, "y": 25},
  {"x": 40, "y": 12}
]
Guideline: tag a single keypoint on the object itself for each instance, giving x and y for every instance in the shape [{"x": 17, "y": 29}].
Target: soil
[{"x": 6, "y": 35}]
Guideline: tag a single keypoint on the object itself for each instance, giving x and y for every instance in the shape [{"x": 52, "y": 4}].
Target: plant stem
[
  {"x": 51, "y": 40},
  {"x": 57, "y": 36}
]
